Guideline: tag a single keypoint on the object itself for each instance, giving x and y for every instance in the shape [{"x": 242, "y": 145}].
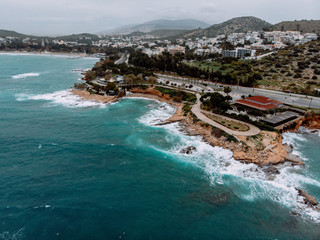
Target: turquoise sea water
[{"x": 73, "y": 169}]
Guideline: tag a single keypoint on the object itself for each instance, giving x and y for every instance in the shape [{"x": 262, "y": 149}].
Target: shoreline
[
  {"x": 278, "y": 153},
  {"x": 59, "y": 54},
  {"x": 268, "y": 150},
  {"x": 92, "y": 97}
]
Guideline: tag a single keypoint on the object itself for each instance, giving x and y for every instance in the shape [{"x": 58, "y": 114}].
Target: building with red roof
[{"x": 259, "y": 102}]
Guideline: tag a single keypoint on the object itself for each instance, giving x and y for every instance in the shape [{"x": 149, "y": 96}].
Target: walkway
[{"x": 196, "y": 110}]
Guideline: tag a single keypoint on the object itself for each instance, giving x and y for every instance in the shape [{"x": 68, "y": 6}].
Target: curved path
[{"x": 196, "y": 110}]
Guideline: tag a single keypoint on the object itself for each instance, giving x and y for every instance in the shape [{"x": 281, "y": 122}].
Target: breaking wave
[
  {"x": 248, "y": 181},
  {"x": 25, "y": 75},
  {"x": 63, "y": 97},
  {"x": 159, "y": 112}
]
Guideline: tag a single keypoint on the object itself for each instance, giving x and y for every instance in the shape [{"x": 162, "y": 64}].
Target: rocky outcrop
[
  {"x": 289, "y": 148},
  {"x": 271, "y": 170},
  {"x": 311, "y": 121},
  {"x": 188, "y": 150},
  {"x": 308, "y": 199},
  {"x": 294, "y": 159}
]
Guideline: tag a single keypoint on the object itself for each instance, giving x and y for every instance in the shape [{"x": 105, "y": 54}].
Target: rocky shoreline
[{"x": 265, "y": 150}]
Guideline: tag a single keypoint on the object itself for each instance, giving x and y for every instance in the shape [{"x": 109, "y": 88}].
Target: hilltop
[
  {"x": 73, "y": 37},
  {"x": 161, "y": 24},
  {"x": 7, "y": 33},
  {"x": 304, "y": 26},
  {"x": 234, "y": 25},
  {"x": 162, "y": 33}
]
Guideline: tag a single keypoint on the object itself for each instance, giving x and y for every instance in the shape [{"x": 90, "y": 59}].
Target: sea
[{"x": 77, "y": 169}]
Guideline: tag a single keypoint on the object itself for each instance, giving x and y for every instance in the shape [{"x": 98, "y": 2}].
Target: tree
[
  {"x": 90, "y": 75},
  {"x": 108, "y": 76},
  {"x": 152, "y": 79},
  {"x": 227, "y": 90}
]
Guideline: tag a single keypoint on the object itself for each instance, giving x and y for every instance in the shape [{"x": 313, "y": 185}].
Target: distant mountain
[
  {"x": 7, "y": 33},
  {"x": 159, "y": 33},
  {"x": 161, "y": 24},
  {"x": 304, "y": 26},
  {"x": 239, "y": 24},
  {"x": 73, "y": 37}
]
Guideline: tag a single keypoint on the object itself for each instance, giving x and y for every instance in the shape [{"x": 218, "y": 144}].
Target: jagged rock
[
  {"x": 271, "y": 170},
  {"x": 188, "y": 150},
  {"x": 308, "y": 199},
  {"x": 289, "y": 148},
  {"x": 294, "y": 159}
]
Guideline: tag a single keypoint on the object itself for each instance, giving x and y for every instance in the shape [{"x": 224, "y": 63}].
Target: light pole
[{"x": 310, "y": 102}]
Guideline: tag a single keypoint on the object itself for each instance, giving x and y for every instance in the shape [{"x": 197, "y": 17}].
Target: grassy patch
[
  {"x": 229, "y": 124},
  {"x": 189, "y": 97}
]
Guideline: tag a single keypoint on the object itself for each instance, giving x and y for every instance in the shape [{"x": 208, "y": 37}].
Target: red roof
[{"x": 259, "y": 102}]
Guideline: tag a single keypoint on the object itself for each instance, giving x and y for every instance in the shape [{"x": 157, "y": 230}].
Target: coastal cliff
[
  {"x": 263, "y": 149},
  {"x": 311, "y": 121}
]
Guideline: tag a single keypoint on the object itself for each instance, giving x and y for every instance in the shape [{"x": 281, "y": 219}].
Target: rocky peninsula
[{"x": 265, "y": 149}]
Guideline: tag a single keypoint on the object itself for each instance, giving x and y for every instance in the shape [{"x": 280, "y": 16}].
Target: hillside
[
  {"x": 75, "y": 37},
  {"x": 161, "y": 24},
  {"x": 7, "y": 33},
  {"x": 304, "y": 26},
  {"x": 240, "y": 24},
  {"x": 159, "y": 33},
  {"x": 295, "y": 69}
]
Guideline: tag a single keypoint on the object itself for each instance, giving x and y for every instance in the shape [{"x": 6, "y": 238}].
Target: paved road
[
  {"x": 124, "y": 58},
  {"x": 196, "y": 110},
  {"x": 265, "y": 55},
  {"x": 290, "y": 99}
]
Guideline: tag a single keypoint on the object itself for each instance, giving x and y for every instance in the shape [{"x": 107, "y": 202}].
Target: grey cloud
[{"x": 74, "y": 16}]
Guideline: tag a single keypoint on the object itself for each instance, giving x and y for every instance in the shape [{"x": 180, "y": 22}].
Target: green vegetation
[
  {"x": 187, "y": 108},
  {"x": 229, "y": 71},
  {"x": 294, "y": 69},
  {"x": 227, "y": 123},
  {"x": 90, "y": 75},
  {"x": 105, "y": 66},
  {"x": 177, "y": 95},
  {"x": 111, "y": 86},
  {"x": 245, "y": 118},
  {"x": 239, "y": 24},
  {"x": 215, "y": 102},
  {"x": 257, "y": 140},
  {"x": 304, "y": 26}
]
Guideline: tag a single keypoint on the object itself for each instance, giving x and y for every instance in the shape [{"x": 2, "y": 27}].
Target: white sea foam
[
  {"x": 159, "y": 112},
  {"x": 13, "y": 235},
  {"x": 25, "y": 75},
  {"x": 248, "y": 181},
  {"x": 63, "y": 97}
]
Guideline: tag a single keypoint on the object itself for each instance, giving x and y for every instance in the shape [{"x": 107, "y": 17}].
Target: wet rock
[
  {"x": 271, "y": 170},
  {"x": 308, "y": 199},
  {"x": 289, "y": 148},
  {"x": 294, "y": 159},
  {"x": 293, "y": 213},
  {"x": 188, "y": 150},
  {"x": 216, "y": 199}
]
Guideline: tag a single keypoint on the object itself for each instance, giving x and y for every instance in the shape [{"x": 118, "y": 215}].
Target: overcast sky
[{"x": 75, "y": 16}]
